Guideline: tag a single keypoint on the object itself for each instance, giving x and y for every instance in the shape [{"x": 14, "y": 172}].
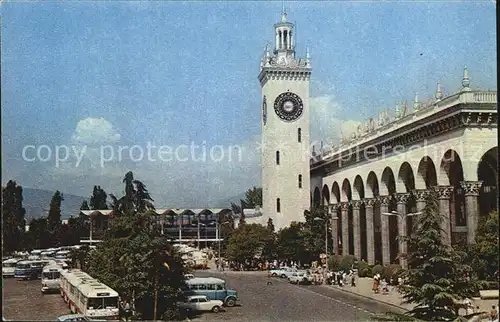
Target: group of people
[
  {"x": 381, "y": 284},
  {"x": 125, "y": 310},
  {"x": 342, "y": 278}
]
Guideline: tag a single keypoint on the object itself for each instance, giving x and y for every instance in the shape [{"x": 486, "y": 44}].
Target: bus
[
  {"x": 88, "y": 296},
  {"x": 30, "y": 269},
  {"x": 63, "y": 254},
  {"x": 50, "y": 278},
  {"x": 212, "y": 287},
  {"x": 9, "y": 267}
]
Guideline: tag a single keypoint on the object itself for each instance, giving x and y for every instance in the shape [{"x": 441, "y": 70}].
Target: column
[
  {"x": 356, "y": 223},
  {"x": 402, "y": 199},
  {"x": 335, "y": 231},
  {"x": 444, "y": 195},
  {"x": 277, "y": 40},
  {"x": 282, "y": 39},
  {"x": 384, "y": 220},
  {"x": 471, "y": 192},
  {"x": 421, "y": 198},
  {"x": 370, "y": 231},
  {"x": 345, "y": 228}
]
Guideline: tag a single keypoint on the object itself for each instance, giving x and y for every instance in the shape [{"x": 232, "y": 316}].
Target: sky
[{"x": 89, "y": 86}]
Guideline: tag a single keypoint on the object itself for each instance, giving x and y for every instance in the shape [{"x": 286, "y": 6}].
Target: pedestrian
[
  {"x": 128, "y": 310},
  {"x": 353, "y": 281},
  {"x": 494, "y": 314}
]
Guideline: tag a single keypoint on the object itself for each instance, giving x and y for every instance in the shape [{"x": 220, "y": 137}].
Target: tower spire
[
  {"x": 416, "y": 104},
  {"x": 283, "y": 12}
]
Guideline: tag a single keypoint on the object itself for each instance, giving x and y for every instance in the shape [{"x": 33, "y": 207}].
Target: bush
[
  {"x": 391, "y": 271},
  {"x": 347, "y": 262},
  {"x": 364, "y": 269},
  {"x": 377, "y": 269},
  {"x": 334, "y": 262}
]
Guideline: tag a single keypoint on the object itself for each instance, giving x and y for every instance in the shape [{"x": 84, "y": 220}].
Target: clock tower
[{"x": 284, "y": 80}]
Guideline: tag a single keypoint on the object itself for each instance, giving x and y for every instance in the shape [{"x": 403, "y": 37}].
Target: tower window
[
  {"x": 277, "y": 157},
  {"x": 278, "y": 205},
  {"x": 299, "y": 135},
  {"x": 300, "y": 181}
]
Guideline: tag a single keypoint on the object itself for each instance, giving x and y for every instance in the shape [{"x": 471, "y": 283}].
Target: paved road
[
  {"x": 23, "y": 300},
  {"x": 286, "y": 302}
]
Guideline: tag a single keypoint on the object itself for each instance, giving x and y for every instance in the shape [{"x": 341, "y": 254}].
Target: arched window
[
  {"x": 278, "y": 157},
  {"x": 278, "y": 205},
  {"x": 300, "y": 181},
  {"x": 299, "y": 135}
]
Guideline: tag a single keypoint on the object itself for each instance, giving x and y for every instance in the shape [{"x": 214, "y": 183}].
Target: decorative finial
[
  {"x": 465, "y": 80},
  {"x": 439, "y": 93},
  {"x": 283, "y": 13},
  {"x": 416, "y": 104},
  {"x": 267, "y": 50}
]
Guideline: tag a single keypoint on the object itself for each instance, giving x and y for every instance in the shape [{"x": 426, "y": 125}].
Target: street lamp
[
  {"x": 218, "y": 234},
  {"x": 203, "y": 225},
  {"x": 401, "y": 237},
  {"x": 326, "y": 244}
]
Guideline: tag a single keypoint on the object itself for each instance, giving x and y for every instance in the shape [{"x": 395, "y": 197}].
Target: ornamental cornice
[
  {"x": 356, "y": 204},
  {"x": 444, "y": 192},
  {"x": 471, "y": 188},
  {"x": 416, "y": 133},
  {"x": 370, "y": 202},
  {"x": 276, "y": 73},
  {"x": 421, "y": 194},
  {"x": 402, "y": 198}
]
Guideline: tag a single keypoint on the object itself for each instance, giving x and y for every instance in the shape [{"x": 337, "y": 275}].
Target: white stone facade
[
  {"x": 450, "y": 145},
  {"x": 285, "y": 139}
]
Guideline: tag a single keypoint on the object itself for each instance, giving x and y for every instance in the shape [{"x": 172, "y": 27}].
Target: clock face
[
  {"x": 288, "y": 106},
  {"x": 264, "y": 111}
]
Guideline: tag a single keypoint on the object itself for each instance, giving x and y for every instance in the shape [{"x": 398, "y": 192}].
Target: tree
[
  {"x": 37, "y": 236},
  {"x": 242, "y": 215},
  {"x": 54, "y": 217},
  {"x": 253, "y": 197},
  {"x": 247, "y": 242},
  {"x": 72, "y": 232},
  {"x": 85, "y": 205},
  {"x": 291, "y": 243},
  {"x": 437, "y": 276},
  {"x": 484, "y": 251},
  {"x": 270, "y": 224},
  {"x": 136, "y": 199},
  {"x": 98, "y": 199},
  {"x": 140, "y": 266},
  {"x": 315, "y": 231},
  {"x": 14, "y": 223}
]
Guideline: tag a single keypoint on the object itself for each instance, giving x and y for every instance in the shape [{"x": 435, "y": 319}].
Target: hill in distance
[
  {"x": 37, "y": 203},
  {"x": 226, "y": 203}
]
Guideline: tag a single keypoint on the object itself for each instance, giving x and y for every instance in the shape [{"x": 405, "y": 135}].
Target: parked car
[
  {"x": 201, "y": 303},
  {"x": 282, "y": 272},
  {"x": 299, "y": 277}
]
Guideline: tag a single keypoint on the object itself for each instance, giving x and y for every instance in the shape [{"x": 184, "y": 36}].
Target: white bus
[
  {"x": 63, "y": 254},
  {"x": 9, "y": 267},
  {"x": 50, "y": 278},
  {"x": 88, "y": 296}
]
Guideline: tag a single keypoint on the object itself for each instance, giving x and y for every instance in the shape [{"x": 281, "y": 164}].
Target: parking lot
[{"x": 23, "y": 300}]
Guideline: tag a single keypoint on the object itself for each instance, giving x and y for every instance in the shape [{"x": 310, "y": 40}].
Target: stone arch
[
  {"x": 451, "y": 174},
  {"x": 487, "y": 172},
  {"x": 426, "y": 174},
  {"x": 359, "y": 188},
  {"x": 406, "y": 179},
  {"x": 325, "y": 200},
  {"x": 205, "y": 216},
  {"x": 316, "y": 197},
  {"x": 335, "y": 192},
  {"x": 372, "y": 189},
  {"x": 388, "y": 183},
  {"x": 450, "y": 169},
  {"x": 346, "y": 191}
]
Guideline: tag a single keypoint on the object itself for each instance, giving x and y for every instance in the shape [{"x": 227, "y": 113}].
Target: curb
[{"x": 369, "y": 298}]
